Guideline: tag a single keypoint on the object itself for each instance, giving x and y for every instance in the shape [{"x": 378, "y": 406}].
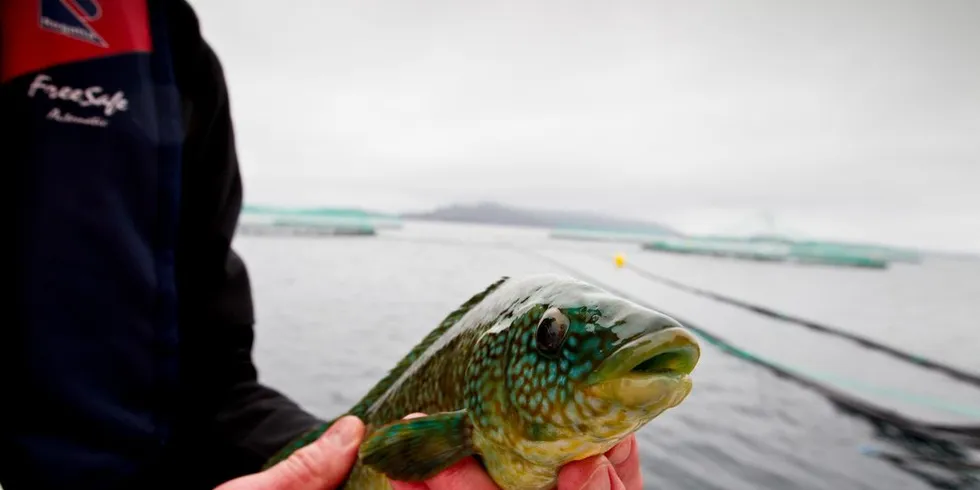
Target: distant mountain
[{"x": 498, "y": 214}]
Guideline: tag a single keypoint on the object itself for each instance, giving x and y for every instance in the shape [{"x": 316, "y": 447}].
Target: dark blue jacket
[{"x": 125, "y": 349}]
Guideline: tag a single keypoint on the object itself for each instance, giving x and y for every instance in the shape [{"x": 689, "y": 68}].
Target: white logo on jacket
[{"x": 94, "y": 97}]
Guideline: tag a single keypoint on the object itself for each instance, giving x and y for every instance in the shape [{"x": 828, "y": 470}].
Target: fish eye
[{"x": 551, "y": 331}]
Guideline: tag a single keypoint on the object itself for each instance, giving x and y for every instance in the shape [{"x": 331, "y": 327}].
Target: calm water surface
[{"x": 334, "y": 314}]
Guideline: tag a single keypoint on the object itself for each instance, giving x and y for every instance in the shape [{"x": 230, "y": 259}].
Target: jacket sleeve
[{"x": 229, "y": 417}]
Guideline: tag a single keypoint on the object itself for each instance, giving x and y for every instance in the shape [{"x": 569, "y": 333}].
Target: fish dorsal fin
[{"x": 382, "y": 386}]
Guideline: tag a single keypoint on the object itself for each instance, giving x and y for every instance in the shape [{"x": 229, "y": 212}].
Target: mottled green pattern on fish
[{"x": 527, "y": 375}]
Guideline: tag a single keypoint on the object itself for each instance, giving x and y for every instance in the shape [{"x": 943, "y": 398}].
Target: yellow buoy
[{"x": 620, "y": 260}]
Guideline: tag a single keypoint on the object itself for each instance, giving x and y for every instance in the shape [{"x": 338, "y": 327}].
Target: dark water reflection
[{"x": 335, "y": 315}]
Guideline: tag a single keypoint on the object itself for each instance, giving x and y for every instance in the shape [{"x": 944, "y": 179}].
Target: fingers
[
  {"x": 595, "y": 473},
  {"x": 625, "y": 458},
  {"x": 321, "y": 465},
  {"x": 620, "y": 452},
  {"x": 405, "y": 485},
  {"x": 466, "y": 474}
]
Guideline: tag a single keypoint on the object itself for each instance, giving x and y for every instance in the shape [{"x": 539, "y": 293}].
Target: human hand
[
  {"x": 322, "y": 465},
  {"x": 617, "y": 469}
]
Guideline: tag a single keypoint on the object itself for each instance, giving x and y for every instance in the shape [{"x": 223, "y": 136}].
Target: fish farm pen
[
  {"x": 588, "y": 234},
  {"x": 759, "y": 248},
  {"x": 267, "y": 220},
  {"x": 769, "y": 250}
]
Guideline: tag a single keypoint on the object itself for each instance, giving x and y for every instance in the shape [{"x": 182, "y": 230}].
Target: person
[{"x": 126, "y": 355}]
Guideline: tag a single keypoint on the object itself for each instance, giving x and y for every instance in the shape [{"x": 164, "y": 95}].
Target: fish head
[{"x": 581, "y": 370}]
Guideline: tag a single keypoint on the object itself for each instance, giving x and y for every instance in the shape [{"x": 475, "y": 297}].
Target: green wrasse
[{"x": 528, "y": 375}]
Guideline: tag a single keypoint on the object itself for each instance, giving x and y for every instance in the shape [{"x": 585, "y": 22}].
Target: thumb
[{"x": 322, "y": 465}]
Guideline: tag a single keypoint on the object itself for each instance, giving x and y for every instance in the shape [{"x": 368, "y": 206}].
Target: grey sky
[{"x": 845, "y": 119}]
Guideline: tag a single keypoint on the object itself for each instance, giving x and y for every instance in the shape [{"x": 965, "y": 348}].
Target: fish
[{"x": 530, "y": 374}]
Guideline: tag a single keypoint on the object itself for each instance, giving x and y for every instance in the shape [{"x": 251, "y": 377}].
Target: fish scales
[{"x": 527, "y": 375}]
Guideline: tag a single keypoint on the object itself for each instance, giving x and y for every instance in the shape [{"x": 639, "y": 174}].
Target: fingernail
[
  {"x": 619, "y": 453},
  {"x": 600, "y": 479},
  {"x": 343, "y": 431}
]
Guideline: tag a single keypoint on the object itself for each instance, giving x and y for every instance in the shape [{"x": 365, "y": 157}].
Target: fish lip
[{"x": 643, "y": 348}]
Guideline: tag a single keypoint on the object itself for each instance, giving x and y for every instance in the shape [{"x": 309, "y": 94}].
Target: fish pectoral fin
[{"x": 419, "y": 448}]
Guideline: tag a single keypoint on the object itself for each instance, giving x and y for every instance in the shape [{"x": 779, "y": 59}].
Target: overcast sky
[{"x": 845, "y": 119}]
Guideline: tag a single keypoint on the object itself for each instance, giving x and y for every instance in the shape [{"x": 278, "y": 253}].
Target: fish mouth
[{"x": 650, "y": 369}]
